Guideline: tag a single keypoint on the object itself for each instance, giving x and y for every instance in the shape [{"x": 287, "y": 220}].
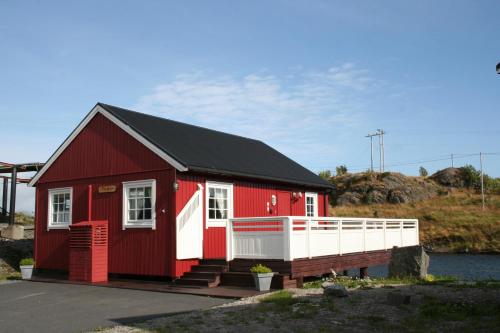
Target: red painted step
[{"x": 198, "y": 282}]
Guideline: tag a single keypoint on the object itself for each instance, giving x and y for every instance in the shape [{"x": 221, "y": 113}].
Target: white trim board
[{"x": 99, "y": 109}]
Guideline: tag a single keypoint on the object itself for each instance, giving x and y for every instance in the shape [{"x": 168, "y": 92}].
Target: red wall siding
[
  {"x": 103, "y": 154},
  {"x": 250, "y": 199},
  {"x": 102, "y": 149}
]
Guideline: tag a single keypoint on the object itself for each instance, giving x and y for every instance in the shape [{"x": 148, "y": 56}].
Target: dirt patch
[{"x": 432, "y": 308}]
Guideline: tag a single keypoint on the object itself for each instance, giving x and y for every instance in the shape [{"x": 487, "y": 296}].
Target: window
[
  {"x": 311, "y": 204},
  {"x": 219, "y": 205},
  {"x": 59, "y": 212},
  {"x": 139, "y": 204}
]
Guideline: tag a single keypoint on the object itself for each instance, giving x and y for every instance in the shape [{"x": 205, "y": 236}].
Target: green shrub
[
  {"x": 423, "y": 172},
  {"x": 325, "y": 174},
  {"x": 259, "y": 268},
  {"x": 341, "y": 170},
  {"x": 471, "y": 176},
  {"x": 26, "y": 262}
]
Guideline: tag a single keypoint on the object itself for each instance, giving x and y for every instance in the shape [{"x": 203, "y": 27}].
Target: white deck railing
[{"x": 293, "y": 237}]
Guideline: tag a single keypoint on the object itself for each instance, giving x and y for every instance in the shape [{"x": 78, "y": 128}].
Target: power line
[{"x": 438, "y": 158}]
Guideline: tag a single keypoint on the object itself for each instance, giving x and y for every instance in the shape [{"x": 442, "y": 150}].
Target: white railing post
[
  {"x": 229, "y": 240},
  {"x": 401, "y": 233},
  {"x": 287, "y": 238},
  {"x": 340, "y": 236},
  {"x": 384, "y": 224},
  {"x": 417, "y": 235},
  {"x": 364, "y": 235},
  {"x": 308, "y": 238}
]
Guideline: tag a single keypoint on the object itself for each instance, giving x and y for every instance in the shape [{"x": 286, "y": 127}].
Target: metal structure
[
  {"x": 380, "y": 133},
  {"x": 13, "y": 170}
]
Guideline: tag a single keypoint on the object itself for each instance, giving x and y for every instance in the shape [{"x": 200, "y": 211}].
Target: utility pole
[
  {"x": 381, "y": 144},
  {"x": 452, "y": 161},
  {"x": 371, "y": 149},
  {"x": 482, "y": 177}
]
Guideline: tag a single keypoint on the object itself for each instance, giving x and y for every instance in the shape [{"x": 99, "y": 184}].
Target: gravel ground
[{"x": 431, "y": 308}]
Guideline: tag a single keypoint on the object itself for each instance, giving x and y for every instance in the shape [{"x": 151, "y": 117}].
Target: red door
[{"x": 284, "y": 203}]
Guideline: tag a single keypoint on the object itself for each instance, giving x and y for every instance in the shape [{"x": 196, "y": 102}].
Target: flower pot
[
  {"x": 263, "y": 281},
  {"x": 26, "y": 271}
]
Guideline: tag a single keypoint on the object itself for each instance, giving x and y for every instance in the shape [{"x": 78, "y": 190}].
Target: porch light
[{"x": 175, "y": 186}]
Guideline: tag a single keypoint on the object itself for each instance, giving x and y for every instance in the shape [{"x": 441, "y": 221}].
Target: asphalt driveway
[{"x": 53, "y": 307}]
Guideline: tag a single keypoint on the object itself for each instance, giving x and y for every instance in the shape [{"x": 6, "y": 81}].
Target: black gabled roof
[{"x": 204, "y": 150}]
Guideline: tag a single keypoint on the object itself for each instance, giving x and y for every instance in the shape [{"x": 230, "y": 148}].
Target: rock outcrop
[
  {"x": 449, "y": 177},
  {"x": 388, "y": 187}
]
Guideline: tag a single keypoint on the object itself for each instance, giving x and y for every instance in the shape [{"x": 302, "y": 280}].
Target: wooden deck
[{"x": 292, "y": 272}]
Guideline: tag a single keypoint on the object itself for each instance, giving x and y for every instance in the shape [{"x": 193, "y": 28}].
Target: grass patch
[
  {"x": 10, "y": 276},
  {"x": 458, "y": 311},
  {"x": 282, "y": 297}
]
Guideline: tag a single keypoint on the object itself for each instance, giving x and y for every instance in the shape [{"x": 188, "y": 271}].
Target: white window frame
[
  {"x": 50, "y": 222},
  {"x": 315, "y": 198},
  {"x": 149, "y": 224},
  {"x": 218, "y": 222}
]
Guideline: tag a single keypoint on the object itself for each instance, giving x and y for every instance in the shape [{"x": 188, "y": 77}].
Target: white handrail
[{"x": 292, "y": 237}]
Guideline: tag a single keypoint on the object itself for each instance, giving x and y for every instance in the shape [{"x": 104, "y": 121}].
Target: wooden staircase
[{"x": 206, "y": 274}]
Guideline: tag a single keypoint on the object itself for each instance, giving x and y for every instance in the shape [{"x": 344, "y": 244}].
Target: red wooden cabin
[{"x": 144, "y": 170}]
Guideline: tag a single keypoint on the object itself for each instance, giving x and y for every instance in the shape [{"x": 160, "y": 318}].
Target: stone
[
  {"x": 334, "y": 290},
  {"x": 411, "y": 261},
  {"x": 349, "y": 198},
  {"x": 449, "y": 177},
  {"x": 13, "y": 232},
  {"x": 398, "y": 298}
]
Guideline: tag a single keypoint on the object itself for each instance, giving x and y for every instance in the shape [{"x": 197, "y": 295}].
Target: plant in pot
[
  {"x": 263, "y": 276},
  {"x": 26, "y": 266}
]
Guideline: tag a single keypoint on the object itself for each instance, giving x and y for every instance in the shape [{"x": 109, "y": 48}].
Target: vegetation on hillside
[
  {"x": 452, "y": 222},
  {"x": 25, "y": 219}
]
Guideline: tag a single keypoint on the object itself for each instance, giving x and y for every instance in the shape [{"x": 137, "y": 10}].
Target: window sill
[
  {"x": 58, "y": 227},
  {"x": 139, "y": 226}
]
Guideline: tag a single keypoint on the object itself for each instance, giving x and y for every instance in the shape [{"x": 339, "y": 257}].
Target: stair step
[
  {"x": 209, "y": 268},
  {"x": 198, "y": 282},
  {"x": 221, "y": 262},
  {"x": 201, "y": 275}
]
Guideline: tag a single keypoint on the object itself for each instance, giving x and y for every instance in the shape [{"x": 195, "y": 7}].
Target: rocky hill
[
  {"x": 392, "y": 187},
  {"x": 387, "y": 187}
]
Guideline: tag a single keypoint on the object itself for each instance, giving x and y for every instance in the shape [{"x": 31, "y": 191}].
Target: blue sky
[{"x": 311, "y": 78}]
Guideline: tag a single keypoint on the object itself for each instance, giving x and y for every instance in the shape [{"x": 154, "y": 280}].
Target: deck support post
[
  {"x": 363, "y": 272},
  {"x": 13, "y": 196},
  {"x": 4, "y": 195}
]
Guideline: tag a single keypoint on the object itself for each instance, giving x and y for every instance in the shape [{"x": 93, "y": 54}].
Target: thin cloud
[{"x": 293, "y": 113}]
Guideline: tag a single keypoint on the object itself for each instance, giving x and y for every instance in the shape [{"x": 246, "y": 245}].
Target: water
[{"x": 463, "y": 266}]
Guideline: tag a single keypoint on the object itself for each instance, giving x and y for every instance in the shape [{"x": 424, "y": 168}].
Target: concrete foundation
[{"x": 13, "y": 232}]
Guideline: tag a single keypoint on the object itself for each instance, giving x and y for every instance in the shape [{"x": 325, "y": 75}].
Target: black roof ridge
[{"x": 179, "y": 122}]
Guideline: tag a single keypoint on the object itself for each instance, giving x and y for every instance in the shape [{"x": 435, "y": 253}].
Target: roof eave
[{"x": 254, "y": 176}]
